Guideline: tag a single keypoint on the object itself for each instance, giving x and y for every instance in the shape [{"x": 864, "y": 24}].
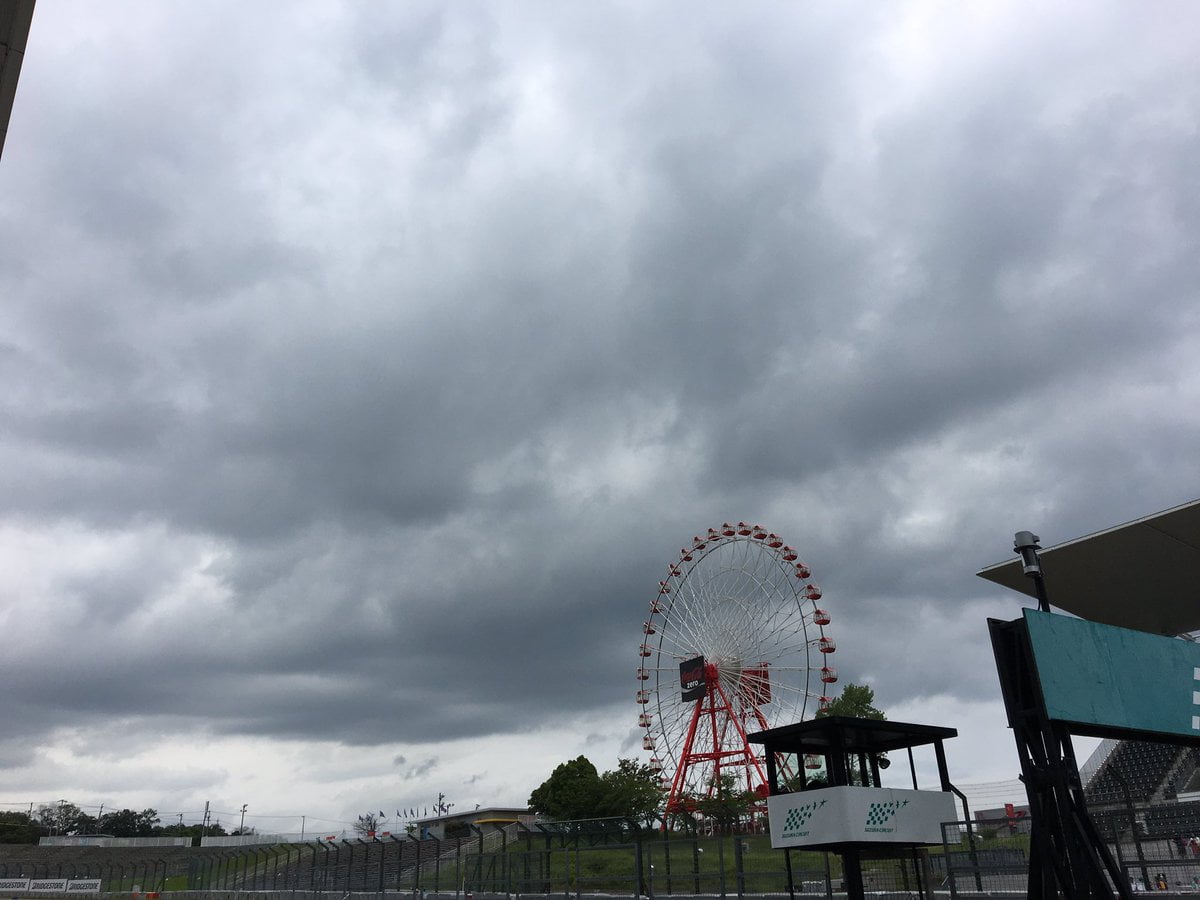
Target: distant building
[
  {"x": 460, "y": 824},
  {"x": 1010, "y": 816}
]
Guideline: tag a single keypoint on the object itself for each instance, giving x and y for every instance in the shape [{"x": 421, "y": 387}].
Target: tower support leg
[{"x": 1067, "y": 855}]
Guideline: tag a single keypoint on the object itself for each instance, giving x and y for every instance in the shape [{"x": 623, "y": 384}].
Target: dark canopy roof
[
  {"x": 1143, "y": 575},
  {"x": 856, "y": 735},
  {"x": 15, "y": 18}
]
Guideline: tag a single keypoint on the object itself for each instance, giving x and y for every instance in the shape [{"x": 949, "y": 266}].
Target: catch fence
[
  {"x": 988, "y": 858},
  {"x": 567, "y": 860}
]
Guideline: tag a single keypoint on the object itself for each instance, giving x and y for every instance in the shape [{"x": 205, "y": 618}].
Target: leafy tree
[
  {"x": 631, "y": 791},
  {"x": 127, "y": 823},
  {"x": 64, "y": 818},
  {"x": 856, "y": 701},
  {"x": 573, "y": 791},
  {"x": 725, "y": 806},
  {"x": 20, "y": 828}
]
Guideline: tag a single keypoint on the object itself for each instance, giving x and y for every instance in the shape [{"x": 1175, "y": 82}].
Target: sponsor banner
[
  {"x": 845, "y": 815},
  {"x": 14, "y": 884},
  {"x": 57, "y": 885},
  {"x": 83, "y": 886},
  {"x": 1104, "y": 678},
  {"x": 691, "y": 679}
]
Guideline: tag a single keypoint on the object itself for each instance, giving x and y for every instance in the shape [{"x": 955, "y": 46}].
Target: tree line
[
  {"x": 575, "y": 789},
  {"x": 68, "y": 819}
]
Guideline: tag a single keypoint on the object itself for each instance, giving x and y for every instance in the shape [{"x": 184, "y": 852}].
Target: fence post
[
  {"x": 459, "y": 878},
  {"x": 578, "y": 871},
  {"x": 948, "y": 859},
  {"x": 1116, "y": 836},
  {"x": 437, "y": 865},
  {"x": 739, "y": 865},
  {"x": 639, "y": 873},
  {"x": 667, "y": 858},
  {"x": 974, "y": 855},
  {"x": 924, "y": 872},
  {"x": 1133, "y": 828},
  {"x": 382, "y": 857},
  {"x": 312, "y": 871},
  {"x": 721, "y": 861},
  {"x": 418, "y": 880}
]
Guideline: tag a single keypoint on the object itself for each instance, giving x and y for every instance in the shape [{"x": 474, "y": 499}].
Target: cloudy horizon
[{"x": 365, "y": 366}]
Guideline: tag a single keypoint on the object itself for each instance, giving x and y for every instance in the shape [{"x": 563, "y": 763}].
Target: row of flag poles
[{"x": 416, "y": 813}]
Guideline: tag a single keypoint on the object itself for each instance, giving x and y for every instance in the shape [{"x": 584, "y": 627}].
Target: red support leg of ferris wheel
[{"x": 728, "y": 750}]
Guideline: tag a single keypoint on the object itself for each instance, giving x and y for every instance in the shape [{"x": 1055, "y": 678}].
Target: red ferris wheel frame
[{"x": 738, "y": 612}]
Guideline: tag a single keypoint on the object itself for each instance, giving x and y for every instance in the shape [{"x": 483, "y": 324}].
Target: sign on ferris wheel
[
  {"x": 691, "y": 679},
  {"x": 735, "y": 643}
]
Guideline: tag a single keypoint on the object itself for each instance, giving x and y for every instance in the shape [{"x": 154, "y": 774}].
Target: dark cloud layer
[{"x": 363, "y": 371}]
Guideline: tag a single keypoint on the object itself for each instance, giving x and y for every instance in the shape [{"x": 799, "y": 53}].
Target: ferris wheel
[{"x": 735, "y": 643}]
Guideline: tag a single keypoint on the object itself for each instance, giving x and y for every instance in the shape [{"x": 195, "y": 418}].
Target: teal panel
[{"x": 1114, "y": 677}]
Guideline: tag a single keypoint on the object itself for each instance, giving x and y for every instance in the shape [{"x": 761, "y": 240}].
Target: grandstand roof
[
  {"x": 15, "y": 17},
  {"x": 850, "y": 734},
  {"x": 1143, "y": 575},
  {"x": 494, "y": 813}
]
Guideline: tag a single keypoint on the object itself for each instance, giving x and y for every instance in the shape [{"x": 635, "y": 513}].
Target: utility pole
[
  {"x": 204, "y": 822},
  {"x": 242, "y": 823}
]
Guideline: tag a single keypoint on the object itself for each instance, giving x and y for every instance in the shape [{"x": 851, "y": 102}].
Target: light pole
[{"x": 1025, "y": 543}]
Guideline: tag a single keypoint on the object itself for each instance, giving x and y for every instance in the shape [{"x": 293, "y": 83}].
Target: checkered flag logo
[
  {"x": 798, "y": 816},
  {"x": 882, "y": 813}
]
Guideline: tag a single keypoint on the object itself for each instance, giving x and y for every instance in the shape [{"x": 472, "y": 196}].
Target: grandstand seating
[
  {"x": 1138, "y": 767},
  {"x": 1149, "y": 777}
]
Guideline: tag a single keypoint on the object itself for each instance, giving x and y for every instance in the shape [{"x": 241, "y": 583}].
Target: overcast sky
[{"x": 364, "y": 365}]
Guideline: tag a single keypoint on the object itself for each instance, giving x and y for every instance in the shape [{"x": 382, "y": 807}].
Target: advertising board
[
  {"x": 1106, "y": 680},
  {"x": 854, "y": 815},
  {"x": 48, "y": 885},
  {"x": 83, "y": 886}
]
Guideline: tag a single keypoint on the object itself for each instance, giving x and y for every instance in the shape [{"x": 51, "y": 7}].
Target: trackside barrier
[{"x": 51, "y": 885}]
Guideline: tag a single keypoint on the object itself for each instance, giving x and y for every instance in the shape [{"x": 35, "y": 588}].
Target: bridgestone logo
[{"x": 14, "y": 884}]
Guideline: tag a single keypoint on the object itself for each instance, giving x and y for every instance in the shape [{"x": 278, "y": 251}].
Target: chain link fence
[{"x": 985, "y": 858}]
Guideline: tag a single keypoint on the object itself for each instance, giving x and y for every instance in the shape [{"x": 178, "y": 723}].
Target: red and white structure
[{"x": 735, "y": 642}]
